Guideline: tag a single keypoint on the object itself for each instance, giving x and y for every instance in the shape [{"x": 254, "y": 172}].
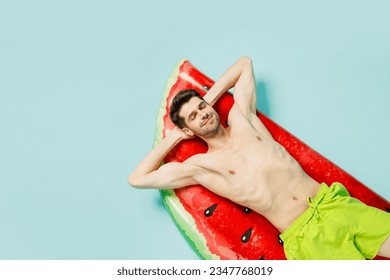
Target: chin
[{"x": 209, "y": 131}]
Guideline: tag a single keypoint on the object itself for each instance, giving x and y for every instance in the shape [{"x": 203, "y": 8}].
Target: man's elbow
[
  {"x": 133, "y": 182},
  {"x": 246, "y": 60}
]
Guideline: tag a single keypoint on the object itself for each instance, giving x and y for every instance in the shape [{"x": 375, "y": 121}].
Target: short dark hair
[{"x": 178, "y": 101}]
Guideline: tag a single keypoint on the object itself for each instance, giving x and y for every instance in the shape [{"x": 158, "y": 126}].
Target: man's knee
[{"x": 384, "y": 250}]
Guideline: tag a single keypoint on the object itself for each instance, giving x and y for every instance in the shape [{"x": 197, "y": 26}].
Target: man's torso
[{"x": 257, "y": 172}]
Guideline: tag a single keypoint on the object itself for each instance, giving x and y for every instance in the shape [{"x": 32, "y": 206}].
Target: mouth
[{"x": 206, "y": 121}]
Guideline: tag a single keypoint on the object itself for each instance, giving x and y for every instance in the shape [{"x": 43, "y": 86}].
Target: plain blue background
[{"x": 81, "y": 81}]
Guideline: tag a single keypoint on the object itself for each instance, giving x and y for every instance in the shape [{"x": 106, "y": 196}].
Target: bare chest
[{"x": 241, "y": 172}]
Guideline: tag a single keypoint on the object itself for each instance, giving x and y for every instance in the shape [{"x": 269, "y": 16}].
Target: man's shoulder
[
  {"x": 237, "y": 120},
  {"x": 236, "y": 114}
]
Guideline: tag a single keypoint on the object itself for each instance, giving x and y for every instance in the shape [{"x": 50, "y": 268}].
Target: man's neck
[{"x": 218, "y": 140}]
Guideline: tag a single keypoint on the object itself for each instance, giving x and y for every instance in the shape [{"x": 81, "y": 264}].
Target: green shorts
[{"x": 336, "y": 227}]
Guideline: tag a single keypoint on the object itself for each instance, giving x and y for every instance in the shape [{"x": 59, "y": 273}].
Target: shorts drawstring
[{"x": 313, "y": 205}]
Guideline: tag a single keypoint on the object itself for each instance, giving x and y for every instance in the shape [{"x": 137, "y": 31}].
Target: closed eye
[{"x": 201, "y": 106}]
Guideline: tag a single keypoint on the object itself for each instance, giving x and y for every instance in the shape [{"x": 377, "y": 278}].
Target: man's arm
[
  {"x": 228, "y": 80},
  {"x": 150, "y": 174},
  {"x": 240, "y": 76}
]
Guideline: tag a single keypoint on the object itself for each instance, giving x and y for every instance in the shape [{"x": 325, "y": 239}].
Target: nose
[{"x": 204, "y": 115}]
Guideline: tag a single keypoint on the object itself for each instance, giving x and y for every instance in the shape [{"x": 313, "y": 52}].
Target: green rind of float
[
  {"x": 186, "y": 225},
  {"x": 182, "y": 219}
]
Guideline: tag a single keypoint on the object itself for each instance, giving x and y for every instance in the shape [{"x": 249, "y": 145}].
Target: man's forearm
[
  {"x": 227, "y": 80},
  {"x": 154, "y": 159}
]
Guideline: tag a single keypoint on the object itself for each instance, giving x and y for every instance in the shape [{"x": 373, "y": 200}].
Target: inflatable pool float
[{"x": 215, "y": 227}]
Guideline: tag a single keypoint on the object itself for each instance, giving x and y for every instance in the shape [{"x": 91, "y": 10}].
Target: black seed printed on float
[
  {"x": 246, "y": 236},
  {"x": 209, "y": 211}
]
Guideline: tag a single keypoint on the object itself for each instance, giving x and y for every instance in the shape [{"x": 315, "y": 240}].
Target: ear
[{"x": 188, "y": 132}]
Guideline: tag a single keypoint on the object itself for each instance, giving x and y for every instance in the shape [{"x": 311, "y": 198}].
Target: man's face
[{"x": 200, "y": 117}]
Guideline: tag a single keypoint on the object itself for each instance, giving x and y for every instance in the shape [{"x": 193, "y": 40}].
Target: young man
[{"x": 246, "y": 165}]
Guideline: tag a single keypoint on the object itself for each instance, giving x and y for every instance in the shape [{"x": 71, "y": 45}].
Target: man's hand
[{"x": 178, "y": 133}]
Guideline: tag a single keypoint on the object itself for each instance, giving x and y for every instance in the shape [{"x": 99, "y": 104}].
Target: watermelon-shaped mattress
[{"x": 215, "y": 227}]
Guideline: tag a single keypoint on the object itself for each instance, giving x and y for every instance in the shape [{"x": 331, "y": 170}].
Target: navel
[
  {"x": 258, "y": 138},
  {"x": 232, "y": 172},
  {"x": 295, "y": 198}
]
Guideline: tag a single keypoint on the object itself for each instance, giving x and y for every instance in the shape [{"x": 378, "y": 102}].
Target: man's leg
[{"x": 384, "y": 251}]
